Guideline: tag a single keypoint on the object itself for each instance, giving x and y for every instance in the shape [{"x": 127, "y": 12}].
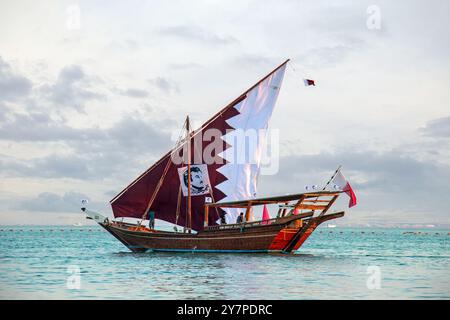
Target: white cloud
[{"x": 13, "y": 86}]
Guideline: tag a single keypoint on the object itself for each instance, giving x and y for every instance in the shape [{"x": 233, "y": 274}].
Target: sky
[{"x": 93, "y": 92}]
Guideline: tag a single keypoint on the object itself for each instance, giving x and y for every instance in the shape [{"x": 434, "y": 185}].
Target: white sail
[{"x": 244, "y": 158}]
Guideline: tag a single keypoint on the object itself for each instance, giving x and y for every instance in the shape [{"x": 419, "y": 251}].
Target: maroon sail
[{"x": 160, "y": 189}]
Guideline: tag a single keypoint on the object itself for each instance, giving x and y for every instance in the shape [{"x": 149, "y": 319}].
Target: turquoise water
[{"x": 36, "y": 263}]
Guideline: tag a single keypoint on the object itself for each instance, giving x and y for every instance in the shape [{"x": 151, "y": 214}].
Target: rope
[
  {"x": 332, "y": 177},
  {"x": 178, "y": 205},
  {"x": 161, "y": 180},
  {"x": 301, "y": 74},
  {"x": 217, "y": 210},
  {"x": 166, "y": 169}
]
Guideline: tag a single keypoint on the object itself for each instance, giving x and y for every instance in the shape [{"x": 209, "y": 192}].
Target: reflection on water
[{"x": 34, "y": 264}]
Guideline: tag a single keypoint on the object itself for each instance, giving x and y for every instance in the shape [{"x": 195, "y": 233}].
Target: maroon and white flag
[
  {"x": 309, "y": 82},
  {"x": 340, "y": 181}
]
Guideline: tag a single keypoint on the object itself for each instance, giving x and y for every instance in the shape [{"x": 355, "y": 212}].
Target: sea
[{"x": 68, "y": 262}]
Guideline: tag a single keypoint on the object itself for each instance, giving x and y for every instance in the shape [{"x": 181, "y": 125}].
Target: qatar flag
[
  {"x": 309, "y": 82},
  {"x": 340, "y": 181}
]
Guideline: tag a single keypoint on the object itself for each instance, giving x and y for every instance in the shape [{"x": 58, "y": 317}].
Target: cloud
[
  {"x": 328, "y": 56},
  {"x": 122, "y": 46},
  {"x": 439, "y": 128},
  {"x": 255, "y": 61},
  {"x": 3, "y": 112},
  {"x": 39, "y": 126},
  {"x": 111, "y": 193},
  {"x": 51, "y": 202},
  {"x": 54, "y": 166},
  {"x": 73, "y": 88},
  {"x": 12, "y": 85},
  {"x": 164, "y": 85},
  {"x": 194, "y": 33},
  {"x": 135, "y": 93},
  {"x": 91, "y": 153},
  {"x": 160, "y": 83},
  {"x": 185, "y": 66},
  {"x": 84, "y": 153}
]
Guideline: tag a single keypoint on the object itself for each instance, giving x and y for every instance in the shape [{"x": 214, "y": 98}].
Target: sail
[{"x": 222, "y": 177}]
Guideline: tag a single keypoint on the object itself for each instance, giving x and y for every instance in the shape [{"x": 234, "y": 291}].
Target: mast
[{"x": 189, "y": 209}]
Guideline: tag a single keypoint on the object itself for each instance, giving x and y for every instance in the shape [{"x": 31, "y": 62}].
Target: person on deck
[
  {"x": 240, "y": 218},
  {"x": 151, "y": 220}
]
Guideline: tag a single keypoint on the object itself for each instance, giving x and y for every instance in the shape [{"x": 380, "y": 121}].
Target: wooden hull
[{"x": 282, "y": 236}]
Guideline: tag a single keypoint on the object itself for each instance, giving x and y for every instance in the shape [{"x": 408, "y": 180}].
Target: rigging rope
[
  {"x": 160, "y": 182},
  {"x": 158, "y": 186},
  {"x": 301, "y": 74},
  {"x": 177, "y": 213}
]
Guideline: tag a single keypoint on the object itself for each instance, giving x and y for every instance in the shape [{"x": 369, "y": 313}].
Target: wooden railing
[
  {"x": 305, "y": 215},
  {"x": 241, "y": 225}
]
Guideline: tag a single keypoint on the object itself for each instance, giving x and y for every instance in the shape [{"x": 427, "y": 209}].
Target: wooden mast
[{"x": 189, "y": 212}]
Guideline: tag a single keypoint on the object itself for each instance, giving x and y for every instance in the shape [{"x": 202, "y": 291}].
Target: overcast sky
[{"x": 91, "y": 93}]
